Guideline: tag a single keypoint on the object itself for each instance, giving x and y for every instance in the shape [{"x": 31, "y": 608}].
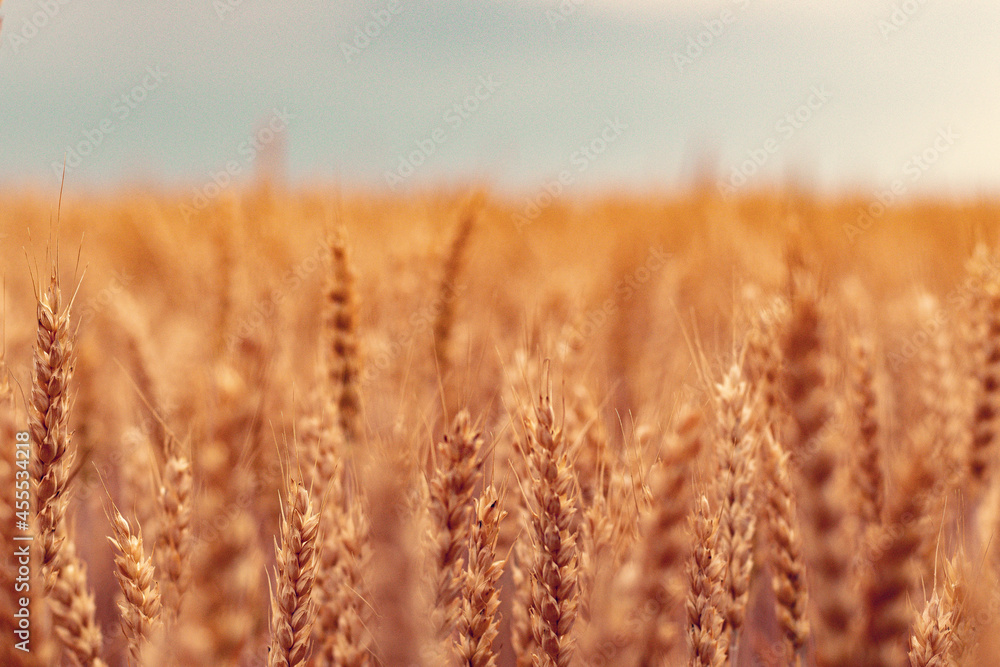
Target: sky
[{"x": 520, "y": 95}]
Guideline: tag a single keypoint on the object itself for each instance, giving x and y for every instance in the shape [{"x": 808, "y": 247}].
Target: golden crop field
[{"x": 303, "y": 427}]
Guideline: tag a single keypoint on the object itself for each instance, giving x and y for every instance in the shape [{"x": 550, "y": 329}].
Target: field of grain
[{"x": 329, "y": 428}]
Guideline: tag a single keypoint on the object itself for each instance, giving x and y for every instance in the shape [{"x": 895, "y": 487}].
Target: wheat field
[{"x": 329, "y": 428}]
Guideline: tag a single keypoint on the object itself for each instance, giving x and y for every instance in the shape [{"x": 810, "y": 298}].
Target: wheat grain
[{"x": 931, "y": 643}]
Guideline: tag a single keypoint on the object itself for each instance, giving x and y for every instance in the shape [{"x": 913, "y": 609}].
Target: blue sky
[{"x": 850, "y": 95}]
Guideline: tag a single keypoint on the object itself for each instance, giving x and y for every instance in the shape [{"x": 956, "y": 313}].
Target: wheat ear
[
  {"x": 735, "y": 490},
  {"x": 340, "y": 576},
  {"x": 342, "y": 353},
  {"x": 73, "y": 610},
  {"x": 445, "y": 320},
  {"x": 141, "y": 607},
  {"x": 455, "y": 471},
  {"x": 346, "y": 611},
  {"x": 292, "y": 607},
  {"x": 706, "y": 591},
  {"x": 789, "y": 576},
  {"x": 986, "y": 417},
  {"x": 931, "y": 642},
  {"x": 62, "y": 572},
  {"x": 664, "y": 542},
  {"x": 554, "y": 590},
  {"x": 823, "y": 513},
  {"x": 49, "y": 425},
  {"x": 867, "y": 464},
  {"x": 892, "y": 577},
  {"x": 173, "y": 555},
  {"x": 479, "y": 618}
]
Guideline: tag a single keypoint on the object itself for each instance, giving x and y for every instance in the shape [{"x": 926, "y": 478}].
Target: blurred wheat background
[
  {"x": 757, "y": 433},
  {"x": 537, "y": 333}
]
